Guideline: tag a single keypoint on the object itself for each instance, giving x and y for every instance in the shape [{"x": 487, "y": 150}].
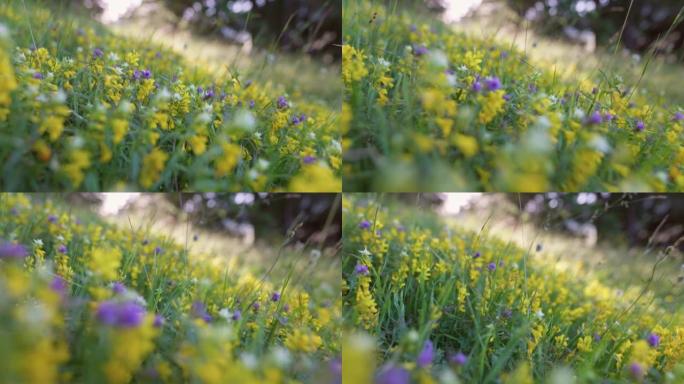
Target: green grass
[
  {"x": 428, "y": 107},
  {"x": 201, "y": 317},
  {"x": 518, "y": 315},
  {"x": 78, "y": 113}
]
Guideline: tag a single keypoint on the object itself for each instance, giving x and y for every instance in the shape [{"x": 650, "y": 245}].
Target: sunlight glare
[{"x": 115, "y": 9}]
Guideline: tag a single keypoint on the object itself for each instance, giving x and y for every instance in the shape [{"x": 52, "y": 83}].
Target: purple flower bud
[
  {"x": 597, "y": 337},
  {"x": 393, "y": 374},
  {"x": 62, "y": 248},
  {"x": 52, "y": 218},
  {"x": 608, "y": 117},
  {"x": 365, "y": 224},
  {"x": 237, "y": 315},
  {"x": 137, "y": 74},
  {"x": 595, "y": 118},
  {"x": 158, "y": 321},
  {"x": 120, "y": 314},
  {"x": 678, "y": 116},
  {"x": 309, "y": 159},
  {"x": 640, "y": 126},
  {"x": 146, "y": 74},
  {"x": 118, "y": 288},
  {"x": 426, "y": 355},
  {"x": 275, "y": 296},
  {"x": 12, "y": 251},
  {"x": 97, "y": 52},
  {"x": 295, "y": 120},
  {"x": 477, "y": 254},
  {"x": 491, "y": 266},
  {"x": 477, "y": 86},
  {"x": 419, "y": 50},
  {"x": 58, "y": 285},
  {"x": 653, "y": 340},
  {"x": 256, "y": 306},
  {"x": 158, "y": 250},
  {"x": 38, "y": 76},
  {"x": 200, "y": 90},
  {"x": 507, "y": 97},
  {"x": 361, "y": 269},
  {"x": 458, "y": 358},
  {"x": 493, "y": 83},
  {"x": 252, "y": 103},
  {"x": 282, "y": 102},
  {"x": 635, "y": 370},
  {"x": 199, "y": 310},
  {"x": 209, "y": 94}
]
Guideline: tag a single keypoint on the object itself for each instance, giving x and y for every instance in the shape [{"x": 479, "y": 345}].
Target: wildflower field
[
  {"x": 82, "y": 108},
  {"x": 82, "y": 300},
  {"x": 430, "y": 108},
  {"x": 427, "y": 301}
]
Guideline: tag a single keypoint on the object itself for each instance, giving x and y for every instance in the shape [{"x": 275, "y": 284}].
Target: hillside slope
[
  {"x": 442, "y": 302},
  {"x": 84, "y": 109},
  {"x": 427, "y": 107}
]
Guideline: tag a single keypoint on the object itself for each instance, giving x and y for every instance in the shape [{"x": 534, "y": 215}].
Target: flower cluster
[
  {"x": 429, "y": 301},
  {"x": 90, "y": 110},
  {"x": 86, "y": 301},
  {"x": 429, "y": 108}
]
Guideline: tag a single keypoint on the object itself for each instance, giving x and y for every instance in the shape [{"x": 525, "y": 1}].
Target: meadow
[
  {"x": 431, "y": 106},
  {"x": 427, "y": 300},
  {"x": 84, "y": 300},
  {"x": 85, "y": 108}
]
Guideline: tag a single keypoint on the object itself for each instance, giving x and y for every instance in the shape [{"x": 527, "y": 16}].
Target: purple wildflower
[
  {"x": 237, "y": 315},
  {"x": 640, "y": 126},
  {"x": 597, "y": 337},
  {"x": 282, "y": 102},
  {"x": 38, "y": 76},
  {"x": 118, "y": 288},
  {"x": 200, "y": 90},
  {"x": 209, "y": 94},
  {"x": 199, "y": 310},
  {"x": 361, "y": 269},
  {"x": 678, "y": 116},
  {"x": 97, "y": 52},
  {"x": 608, "y": 117},
  {"x": 275, "y": 296},
  {"x": 62, "y": 248},
  {"x": 477, "y": 86},
  {"x": 458, "y": 358},
  {"x": 507, "y": 97},
  {"x": 120, "y": 314},
  {"x": 419, "y": 50},
  {"x": 12, "y": 251},
  {"x": 595, "y": 118},
  {"x": 636, "y": 370},
  {"x": 309, "y": 159},
  {"x": 158, "y": 321},
  {"x": 137, "y": 74},
  {"x": 365, "y": 224},
  {"x": 335, "y": 367},
  {"x": 256, "y": 306},
  {"x": 491, "y": 266},
  {"x": 52, "y": 218},
  {"x": 653, "y": 340},
  {"x": 493, "y": 83},
  {"x": 393, "y": 374},
  {"x": 295, "y": 120},
  {"x": 477, "y": 254},
  {"x": 426, "y": 355},
  {"x": 158, "y": 250},
  {"x": 59, "y": 285},
  {"x": 146, "y": 74},
  {"x": 252, "y": 103},
  {"x": 286, "y": 308}
]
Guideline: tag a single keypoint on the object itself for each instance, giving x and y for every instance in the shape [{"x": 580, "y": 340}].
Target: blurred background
[
  {"x": 225, "y": 223},
  {"x": 582, "y": 34},
  {"x": 296, "y": 42}
]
